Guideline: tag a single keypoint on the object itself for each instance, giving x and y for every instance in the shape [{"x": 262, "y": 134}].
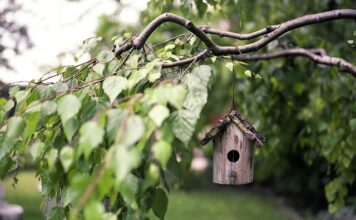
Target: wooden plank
[{"x": 227, "y": 171}]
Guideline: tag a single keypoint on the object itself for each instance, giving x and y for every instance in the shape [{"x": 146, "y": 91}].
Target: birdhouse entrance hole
[{"x": 233, "y": 156}]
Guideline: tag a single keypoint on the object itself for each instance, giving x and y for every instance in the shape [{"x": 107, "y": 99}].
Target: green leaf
[
  {"x": 91, "y": 135},
  {"x": 37, "y": 149},
  {"x": 92, "y": 40},
  {"x": 129, "y": 188},
  {"x": 184, "y": 122},
  {"x": 113, "y": 86},
  {"x": 78, "y": 184},
  {"x": 94, "y": 210},
  {"x": 192, "y": 40},
  {"x": 197, "y": 83},
  {"x": 60, "y": 87},
  {"x": 70, "y": 128},
  {"x": 162, "y": 151},
  {"x": 105, "y": 56},
  {"x": 106, "y": 184},
  {"x": 114, "y": 120},
  {"x": 68, "y": 106},
  {"x": 160, "y": 95},
  {"x": 134, "y": 129},
  {"x": 9, "y": 105},
  {"x": 5, "y": 166},
  {"x": 113, "y": 66},
  {"x": 230, "y": 66},
  {"x": 33, "y": 107},
  {"x": 158, "y": 114},
  {"x": 137, "y": 76},
  {"x": 126, "y": 160},
  {"x": 160, "y": 203},
  {"x": 152, "y": 176},
  {"x": 57, "y": 213},
  {"x": 5, "y": 107},
  {"x": 48, "y": 107},
  {"x": 195, "y": 101},
  {"x": 177, "y": 96},
  {"x": 99, "y": 68},
  {"x": 22, "y": 95},
  {"x": 13, "y": 90},
  {"x": 152, "y": 77},
  {"x": 66, "y": 157},
  {"x": 213, "y": 59},
  {"x": 52, "y": 158},
  {"x": 248, "y": 73},
  {"x": 32, "y": 121},
  {"x": 15, "y": 127},
  {"x": 169, "y": 47},
  {"x": 109, "y": 216},
  {"x": 134, "y": 61}
]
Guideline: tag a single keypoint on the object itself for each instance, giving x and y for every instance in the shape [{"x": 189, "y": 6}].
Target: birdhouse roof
[{"x": 233, "y": 117}]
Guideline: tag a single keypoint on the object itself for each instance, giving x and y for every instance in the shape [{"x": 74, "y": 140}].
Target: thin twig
[{"x": 169, "y": 40}]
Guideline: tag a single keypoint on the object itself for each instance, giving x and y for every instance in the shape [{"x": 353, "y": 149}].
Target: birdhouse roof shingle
[{"x": 233, "y": 117}]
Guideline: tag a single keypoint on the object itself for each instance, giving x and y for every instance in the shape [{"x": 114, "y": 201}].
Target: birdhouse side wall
[{"x": 240, "y": 171}]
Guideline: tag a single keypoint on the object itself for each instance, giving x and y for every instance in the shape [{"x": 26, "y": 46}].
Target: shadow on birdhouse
[{"x": 234, "y": 141}]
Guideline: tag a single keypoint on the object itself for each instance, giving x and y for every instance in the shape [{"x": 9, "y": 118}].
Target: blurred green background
[{"x": 208, "y": 202}]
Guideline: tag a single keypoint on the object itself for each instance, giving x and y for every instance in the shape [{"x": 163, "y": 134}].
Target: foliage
[
  {"x": 306, "y": 111},
  {"x": 105, "y": 135}
]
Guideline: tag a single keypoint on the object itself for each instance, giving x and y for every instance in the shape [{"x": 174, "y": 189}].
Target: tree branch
[
  {"x": 316, "y": 55},
  {"x": 238, "y": 36},
  {"x": 138, "y": 41},
  {"x": 297, "y": 23}
]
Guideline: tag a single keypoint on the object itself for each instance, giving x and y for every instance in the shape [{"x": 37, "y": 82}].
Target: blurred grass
[
  {"x": 222, "y": 203},
  {"x": 26, "y": 193}
]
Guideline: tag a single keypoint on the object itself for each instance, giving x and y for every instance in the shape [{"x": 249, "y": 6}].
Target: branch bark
[
  {"x": 277, "y": 30},
  {"x": 239, "y": 36},
  {"x": 270, "y": 33},
  {"x": 316, "y": 55}
]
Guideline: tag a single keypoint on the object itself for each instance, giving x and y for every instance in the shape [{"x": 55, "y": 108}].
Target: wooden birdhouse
[{"x": 234, "y": 141}]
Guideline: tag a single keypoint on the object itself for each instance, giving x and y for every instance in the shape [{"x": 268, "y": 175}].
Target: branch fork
[{"x": 269, "y": 34}]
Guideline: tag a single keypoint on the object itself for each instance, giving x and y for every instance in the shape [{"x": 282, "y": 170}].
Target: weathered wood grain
[{"x": 232, "y": 173}]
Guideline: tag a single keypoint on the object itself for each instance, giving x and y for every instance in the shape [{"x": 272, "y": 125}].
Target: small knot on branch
[
  {"x": 238, "y": 50},
  {"x": 189, "y": 24},
  {"x": 269, "y": 28}
]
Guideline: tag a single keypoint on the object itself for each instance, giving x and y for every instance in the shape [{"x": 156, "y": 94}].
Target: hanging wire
[
  {"x": 233, "y": 104},
  {"x": 232, "y": 178}
]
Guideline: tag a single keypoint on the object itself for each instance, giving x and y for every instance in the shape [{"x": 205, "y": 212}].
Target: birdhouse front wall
[{"x": 233, "y": 157}]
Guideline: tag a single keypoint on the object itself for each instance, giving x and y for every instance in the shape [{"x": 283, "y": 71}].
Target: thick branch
[
  {"x": 139, "y": 40},
  {"x": 239, "y": 36},
  {"x": 215, "y": 49},
  {"x": 297, "y": 23},
  {"x": 316, "y": 55}
]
